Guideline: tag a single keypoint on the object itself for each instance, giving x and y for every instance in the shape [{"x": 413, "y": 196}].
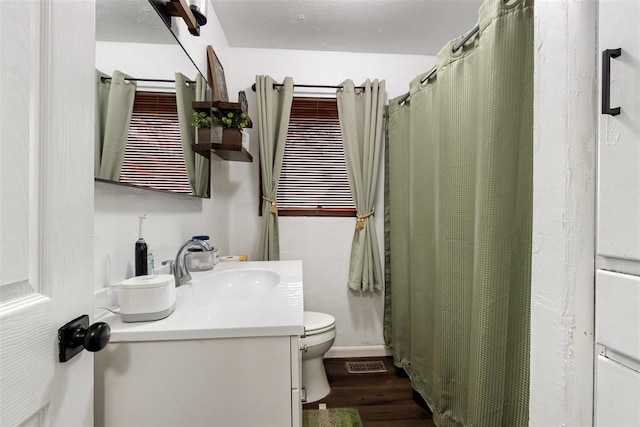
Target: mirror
[{"x": 139, "y": 141}]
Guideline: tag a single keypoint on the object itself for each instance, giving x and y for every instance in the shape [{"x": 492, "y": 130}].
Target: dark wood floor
[{"x": 382, "y": 399}]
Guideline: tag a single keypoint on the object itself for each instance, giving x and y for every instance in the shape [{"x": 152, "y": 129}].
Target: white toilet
[{"x": 319, "y": 334}]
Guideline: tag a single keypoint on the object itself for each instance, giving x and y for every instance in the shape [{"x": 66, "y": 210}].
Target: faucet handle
[{"x": 172, "y": 265}]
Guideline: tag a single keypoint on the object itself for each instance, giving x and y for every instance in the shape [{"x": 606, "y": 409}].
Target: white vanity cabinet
[
  {"x": 253, "y": 382},
  {"x": 229, "y": 355},
  {"x": 617, "y": 295}
]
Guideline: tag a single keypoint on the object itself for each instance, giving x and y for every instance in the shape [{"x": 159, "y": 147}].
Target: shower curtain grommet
[
  {"x": 510, "y": 4},
  {"x": 454, "y": 54}
]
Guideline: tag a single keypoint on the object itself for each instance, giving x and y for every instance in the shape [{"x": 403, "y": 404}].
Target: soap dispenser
[{"x": 142, "y": 266}]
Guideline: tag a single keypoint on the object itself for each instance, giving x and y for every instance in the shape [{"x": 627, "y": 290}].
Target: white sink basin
[
  {"x": 242, "y": 283},
  {"x": 234, "y": 300}
]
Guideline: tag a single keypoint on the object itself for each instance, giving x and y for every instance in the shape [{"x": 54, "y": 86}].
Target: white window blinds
[
  {"x": 313, "y": 180},
  {"x": 153, "y": 155}
]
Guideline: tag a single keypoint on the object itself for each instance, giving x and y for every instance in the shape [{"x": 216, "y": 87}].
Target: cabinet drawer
[
  {"x": 617, "y": 395},
  {"x": 618, "y": 312}
]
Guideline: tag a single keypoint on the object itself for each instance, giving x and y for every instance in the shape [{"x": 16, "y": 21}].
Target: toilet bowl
[{"x": 319, "y": 334}]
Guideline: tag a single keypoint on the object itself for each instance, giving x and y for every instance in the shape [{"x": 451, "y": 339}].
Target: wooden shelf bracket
[{"x": 181, "y": 8}]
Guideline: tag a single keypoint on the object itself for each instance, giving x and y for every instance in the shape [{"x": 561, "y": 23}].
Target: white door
[
  {"x": 617, "y": 297},
  {"x": 46, "y": 208},
  {"x": 619, "y": 138}
]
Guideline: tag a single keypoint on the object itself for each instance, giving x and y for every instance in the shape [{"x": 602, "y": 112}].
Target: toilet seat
[{"x": 316, "y": 323}]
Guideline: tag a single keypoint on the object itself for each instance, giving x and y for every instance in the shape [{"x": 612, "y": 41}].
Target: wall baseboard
[{"x": 358, "y": 351}]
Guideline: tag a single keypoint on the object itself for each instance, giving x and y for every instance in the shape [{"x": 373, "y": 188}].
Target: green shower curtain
[{"x": 459, "y": 178}]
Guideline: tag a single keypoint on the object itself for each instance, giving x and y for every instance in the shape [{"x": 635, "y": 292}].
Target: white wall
[
  {"x": 145, "y": 60},
  {"x": 562, "y": 295},
  {"x": 323, "y": 244},
  {"x": 171, "y": 220}
]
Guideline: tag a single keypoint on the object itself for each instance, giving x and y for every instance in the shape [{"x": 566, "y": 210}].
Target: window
[
  {"x": 313, "y": 179},
  {"x": 153, "y": 154}
]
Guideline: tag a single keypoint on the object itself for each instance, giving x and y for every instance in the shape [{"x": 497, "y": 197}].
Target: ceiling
[
  {"x": 134, "y": 21},
  {"x": 419, "y": 27}
]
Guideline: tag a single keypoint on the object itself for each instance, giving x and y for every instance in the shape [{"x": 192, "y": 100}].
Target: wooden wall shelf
[
  {"x": 224, "y": 143},
  {"x": 217, "y": 105},
  {"x": 231, "y": 152}
]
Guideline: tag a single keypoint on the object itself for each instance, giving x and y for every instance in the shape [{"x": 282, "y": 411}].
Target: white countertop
[{"x": 199, "y": 315}]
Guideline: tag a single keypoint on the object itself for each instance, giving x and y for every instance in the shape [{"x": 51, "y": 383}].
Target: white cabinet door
[
  {"x": 226, "y": 382},
  {"x": 619, "y": 136},
  {"x": 46, "y": 208}
]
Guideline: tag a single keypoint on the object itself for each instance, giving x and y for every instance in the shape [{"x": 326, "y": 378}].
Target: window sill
[{"x": 340, "y": 212}]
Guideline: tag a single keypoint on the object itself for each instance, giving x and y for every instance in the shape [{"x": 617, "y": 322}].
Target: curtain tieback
[
  {"x": 274, "y": 206},
  {"x": 361, "y": 218}
]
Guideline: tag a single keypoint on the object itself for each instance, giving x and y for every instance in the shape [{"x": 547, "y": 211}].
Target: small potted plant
[
  {"x": 231, "y": 119},
  {"x": 202, "y": 122},
  {"x": 232, "y": 123}
]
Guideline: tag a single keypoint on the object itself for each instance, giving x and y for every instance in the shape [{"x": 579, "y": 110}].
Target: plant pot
[
  {"x": 219, "y": 135},
  {"x": 203, "y": 135},
  {"x": 232, "y": 137}
]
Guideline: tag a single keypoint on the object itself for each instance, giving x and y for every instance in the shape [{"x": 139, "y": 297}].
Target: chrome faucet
[{"x": 180, "y": 272}]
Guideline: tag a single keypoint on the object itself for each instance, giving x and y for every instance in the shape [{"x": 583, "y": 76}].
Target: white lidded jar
[{"x": 145, "y": 298}]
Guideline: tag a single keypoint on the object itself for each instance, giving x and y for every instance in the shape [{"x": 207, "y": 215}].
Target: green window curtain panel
[
  {"x": 274, "y": 111},
  {"x": 201, "y": 163},
  {"x": 458, "y": 299},
  {"x": 114, "y": 118},
  {"x": 185, "y": 95},
  {"x": 361, "y": 119},
  {"x": 102, "y": 102}
]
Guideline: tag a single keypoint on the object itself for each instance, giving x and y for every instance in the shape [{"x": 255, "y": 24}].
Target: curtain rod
[
  {"x": 455, "y": 49},
  {"x": 131, "y": 79},
  {"x": 275, "y": 85}
]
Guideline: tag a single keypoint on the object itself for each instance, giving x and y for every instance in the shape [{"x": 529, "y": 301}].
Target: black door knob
[
  {"x": 77, "y": 335},
  {"x": 94, "y": 338}
]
